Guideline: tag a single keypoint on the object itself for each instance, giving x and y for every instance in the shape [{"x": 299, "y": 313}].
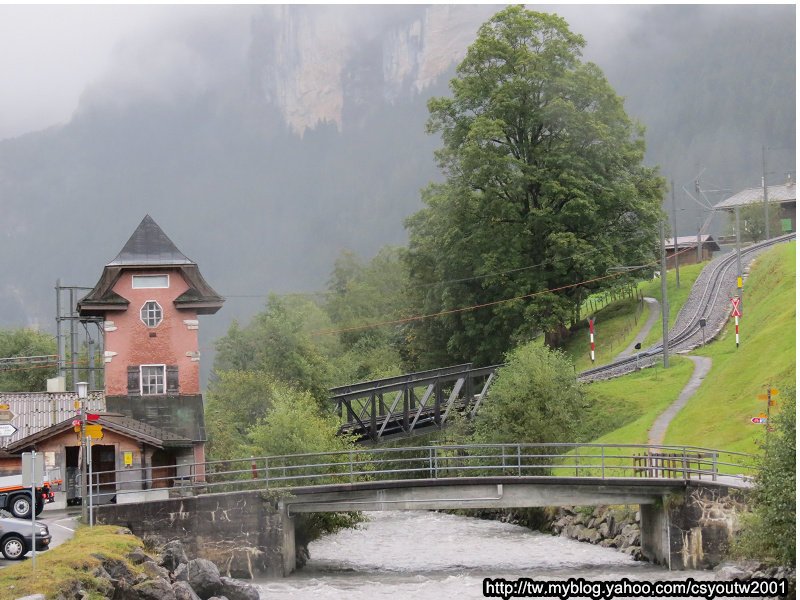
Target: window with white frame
[
  {"x": 150, "y": 282},
  {"x": 151, "y": 313},
  {"x": 152, "y": 379}
]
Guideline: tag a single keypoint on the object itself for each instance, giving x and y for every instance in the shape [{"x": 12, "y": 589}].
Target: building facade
[
  {"x": 148, "y": 423},
  {"x": 150, "y": 297}
]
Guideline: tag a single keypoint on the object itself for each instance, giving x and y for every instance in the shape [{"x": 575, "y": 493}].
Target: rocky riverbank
[
  {"x": 166, "y": 574},
  {"x": 607, "y": 526},
  {"x": 618, "y": 527}
]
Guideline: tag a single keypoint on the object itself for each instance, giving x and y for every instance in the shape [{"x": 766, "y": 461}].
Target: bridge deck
[{"x": 483, "y": 492}]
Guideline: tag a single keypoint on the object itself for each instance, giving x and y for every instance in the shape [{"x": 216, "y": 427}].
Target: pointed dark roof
[{"x": 149, "y": 245}]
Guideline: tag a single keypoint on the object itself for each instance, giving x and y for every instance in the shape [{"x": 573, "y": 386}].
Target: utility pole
[
  {"x": 664, "y": 301},
  {"x": 73, "y": 339},
  {"x": 675, "y": 236},
  {"x": 739, "y": 280},
  {"x": 699, "y": 226},
  {"x": 59, "y": 337},
  {"x": 764, "y": 186}
]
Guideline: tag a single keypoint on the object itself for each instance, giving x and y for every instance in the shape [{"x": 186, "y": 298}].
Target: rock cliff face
[{"x": 330, "y": 64}]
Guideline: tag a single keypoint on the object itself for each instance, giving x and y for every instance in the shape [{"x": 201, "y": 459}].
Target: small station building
[{"x": 149, "y": 417}]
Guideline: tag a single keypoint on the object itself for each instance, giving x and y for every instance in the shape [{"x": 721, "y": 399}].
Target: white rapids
[{"x": 431, "y": 556}]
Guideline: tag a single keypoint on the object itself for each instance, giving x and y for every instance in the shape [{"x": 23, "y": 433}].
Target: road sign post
[
  {"x": 89, "y": 463},
  {"x": 591, "y": 338},
  {"x": 33, "y": 476}
]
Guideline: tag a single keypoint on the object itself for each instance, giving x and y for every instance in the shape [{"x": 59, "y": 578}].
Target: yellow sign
[
  {"x": 127, "y": 459},
  {"x": 774, "y": 392},
  {"x": 5, "y": 406},
  {"x": 773, "y": 403},
  {"x": 739, "y": 282},
  {"x": 94, "y": 431},
  {"x": 763, "y": 397},
  {"x": 77, "y": 404}
]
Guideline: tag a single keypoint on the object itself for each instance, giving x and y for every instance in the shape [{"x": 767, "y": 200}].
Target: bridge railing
[{"x": 596, "y": 461}]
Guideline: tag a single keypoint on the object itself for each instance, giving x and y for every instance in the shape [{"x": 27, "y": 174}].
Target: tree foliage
[
  {"x": 278, "y": 341},
  {"x": 361, "y": 294},
  {"x": 234, "y": 402},
  {"x": 752, "y": 221},
  {"x": 535, "y": 398},
  {"x": 25, "y": 342},
  {"x": 545, "y": 188},
  {"x": 770, "y": 532},
  {"x": 293, "y": 424}
]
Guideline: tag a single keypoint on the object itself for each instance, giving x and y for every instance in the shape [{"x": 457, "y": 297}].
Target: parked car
[{"x": 16, "y": 538}]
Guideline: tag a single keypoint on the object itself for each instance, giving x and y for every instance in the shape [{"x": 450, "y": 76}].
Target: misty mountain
[{"x": 262, "y": 166}]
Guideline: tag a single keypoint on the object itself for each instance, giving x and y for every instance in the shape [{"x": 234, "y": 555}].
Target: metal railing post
[
  {"x": 602, "y": 462},
  {"x": 430, "y": 462},
  {"x": 266, "y": 471},
  {"x": 352, "y": 480},
  {"x": 519, "y": 460},
  {"x": 685, "y": 471},
  {"x": 714, "y": 466}
]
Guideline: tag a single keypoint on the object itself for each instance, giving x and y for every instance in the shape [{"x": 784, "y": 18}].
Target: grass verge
[
  {"x": 719, "y": 414},
  {"x": 59, "y": 569}
]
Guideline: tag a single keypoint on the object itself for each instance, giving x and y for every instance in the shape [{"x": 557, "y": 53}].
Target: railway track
[
  {"x": 705, "y": 302},
  {"x": 398, "y": 406}
]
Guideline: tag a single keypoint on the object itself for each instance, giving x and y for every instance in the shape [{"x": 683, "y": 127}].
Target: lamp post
[{"x": 82, "y": 388}]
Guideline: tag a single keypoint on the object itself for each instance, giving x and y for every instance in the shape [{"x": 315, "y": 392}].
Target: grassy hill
[
  {"x": 617, "y": 324},
  {"x": 718, "y": 415}
]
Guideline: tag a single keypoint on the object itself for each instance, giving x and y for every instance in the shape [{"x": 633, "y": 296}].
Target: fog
[{"x": 266, "y": 139}]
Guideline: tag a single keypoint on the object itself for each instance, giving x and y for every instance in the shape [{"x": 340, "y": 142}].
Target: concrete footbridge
[{"x": 220, "y": 507}]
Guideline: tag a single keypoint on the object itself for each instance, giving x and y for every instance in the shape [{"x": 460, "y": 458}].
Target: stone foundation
[
  {"x": 245, "y": 534},
  {"x": 693, "y": 530}
]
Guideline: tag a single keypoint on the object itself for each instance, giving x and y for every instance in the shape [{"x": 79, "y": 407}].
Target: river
[{"x": 434, "y": 556}]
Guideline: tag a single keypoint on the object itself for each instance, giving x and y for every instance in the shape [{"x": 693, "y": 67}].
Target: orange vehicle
[{"x": 16, "y": 498}]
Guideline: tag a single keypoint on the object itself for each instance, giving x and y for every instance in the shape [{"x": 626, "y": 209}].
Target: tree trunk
[{"x": 556, "y": 337}]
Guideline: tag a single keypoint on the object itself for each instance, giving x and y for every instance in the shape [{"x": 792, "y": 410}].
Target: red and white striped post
[
  {"x": 591, "y": 338},
  {"x": 736, "y": 313}
]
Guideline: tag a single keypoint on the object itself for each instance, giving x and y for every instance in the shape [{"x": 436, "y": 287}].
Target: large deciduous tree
[{"x": 545, "y": 188}]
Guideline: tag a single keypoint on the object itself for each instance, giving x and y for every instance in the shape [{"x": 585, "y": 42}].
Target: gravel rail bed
[{"x": 709, "y": 299}]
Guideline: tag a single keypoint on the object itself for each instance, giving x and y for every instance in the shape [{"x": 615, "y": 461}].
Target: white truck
[{"x": 16, "y": 498}]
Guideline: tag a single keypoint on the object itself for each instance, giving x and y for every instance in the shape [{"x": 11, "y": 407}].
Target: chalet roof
[
  {"x": 40, "y": 415},
  {"x": 35, "y": 411},
  {"x": 775, "y": 193},
  {"x": 141, "y": 432},
  {"x": 690, "y": 241},
  {"x": 149, "y": 245}
]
